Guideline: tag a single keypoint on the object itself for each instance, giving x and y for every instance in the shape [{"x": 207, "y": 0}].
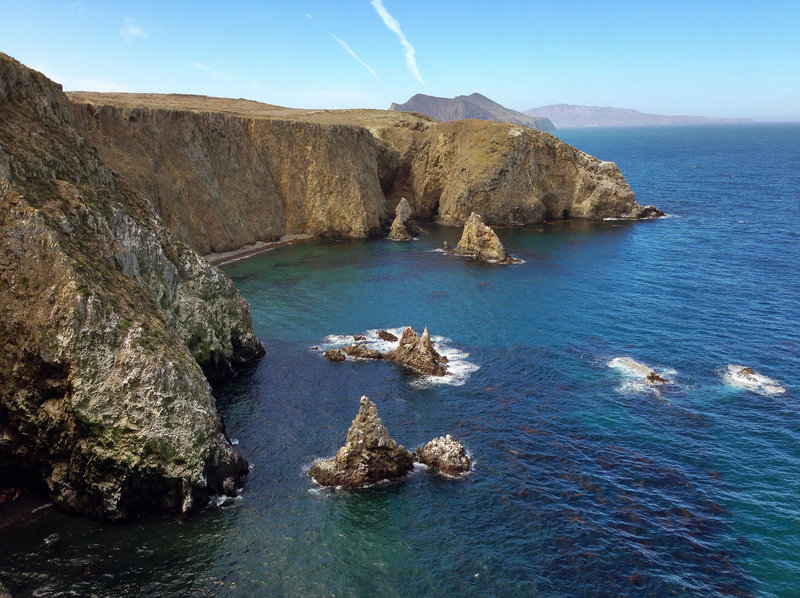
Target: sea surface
[{"x": 587, "y": 481}]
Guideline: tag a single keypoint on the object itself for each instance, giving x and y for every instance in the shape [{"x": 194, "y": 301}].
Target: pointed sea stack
[
  {"x": 368, "y": 456},
  {"x": 480, "y": 242},
  {"x": 418, "y": 354}
]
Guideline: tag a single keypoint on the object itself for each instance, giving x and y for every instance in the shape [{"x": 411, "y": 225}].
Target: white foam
[
  {"x": 458, "y": 368},
  {"x": 224, "y": 502},
  {"x": 739, "y": 377},
  {"x": 634, "y": 377}
]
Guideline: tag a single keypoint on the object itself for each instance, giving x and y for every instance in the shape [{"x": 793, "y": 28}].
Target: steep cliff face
[
  {"x": 253, "y": 172},
  {"x": 107, "y": 322},
  {"x": 222, "y": 181},
  {"x": 511, "y": 175}
]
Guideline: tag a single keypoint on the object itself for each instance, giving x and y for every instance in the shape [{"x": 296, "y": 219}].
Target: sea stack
[
  {"x": 403, "y": 227},
  {"x": 480, "y": 242},
  {"x": 418, "y": 354},
  {"x": 368, "y": 456},
  {"x": 445, "y": 455}
]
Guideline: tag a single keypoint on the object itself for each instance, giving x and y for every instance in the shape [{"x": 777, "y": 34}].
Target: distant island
[
  {"x": 471, "y": 106},
  {"x": 569, "y": 115}
]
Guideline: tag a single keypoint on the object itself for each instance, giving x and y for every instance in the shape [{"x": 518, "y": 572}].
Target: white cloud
[
  {"x": 204, "y": 67},
  {"x": 308, "y": 16},
  {"x": 393, "y": 25},
  {"x": 130, "y": 32},
  {"x": 354, "y": 55}
]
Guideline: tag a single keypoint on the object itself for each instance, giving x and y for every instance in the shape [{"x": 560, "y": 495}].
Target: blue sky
[{"x": 708, "y": 58}]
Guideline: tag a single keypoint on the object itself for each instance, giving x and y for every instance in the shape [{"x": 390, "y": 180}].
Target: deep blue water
[{"x": 587, "y": 482}]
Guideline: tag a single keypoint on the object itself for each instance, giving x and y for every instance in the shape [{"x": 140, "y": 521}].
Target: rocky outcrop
[
  {"x": 418, "y": 354},
  {"x": 361, "y": 351},
  {"x": 403, "y": 227},
  {"x": 108, "y": 323},
  {"x": 223, "y": 174},
  {"x": 368, "y": 456},
  {"x": 335, "y": 355},
  {"x": 445, "y": 455},
  {"x": 480, "y": 242},
  {"x": 387, "y": 336}
]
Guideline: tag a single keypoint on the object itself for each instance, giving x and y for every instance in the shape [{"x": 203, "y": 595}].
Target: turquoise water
[{"x": 586, "y": 481}]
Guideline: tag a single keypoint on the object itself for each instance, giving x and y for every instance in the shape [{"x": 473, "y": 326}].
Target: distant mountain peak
[
  {"x": 571, "y": 115},
  {"x": 474, "y": 105}
]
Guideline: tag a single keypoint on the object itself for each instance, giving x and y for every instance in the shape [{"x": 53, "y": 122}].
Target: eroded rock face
[
  {"x": 444, "y": 455},
  {"x": 481, "y": 242},
  {"x": 418, "y": 354},
  {"x": 108, "y": 323},
  {"x": 226, "y": 173},
  {"x": 403, "y": 227},
  {"x": 368, "y": 456}
]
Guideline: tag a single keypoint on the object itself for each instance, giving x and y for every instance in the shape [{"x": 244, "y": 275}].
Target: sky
[{"x": 710, "y": 58}]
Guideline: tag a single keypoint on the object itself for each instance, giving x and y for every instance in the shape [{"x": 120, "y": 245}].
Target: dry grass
[{"x": 249, "y": 109}]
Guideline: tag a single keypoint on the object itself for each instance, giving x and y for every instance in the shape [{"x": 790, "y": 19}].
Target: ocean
[{"x": 587, "y": 481}]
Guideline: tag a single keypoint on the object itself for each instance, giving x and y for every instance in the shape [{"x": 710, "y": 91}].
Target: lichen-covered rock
[
  {"x": 107, "y": 322},
  {"x": 444, "y": 455},
  {"x": 481, "y": 242},
  {"x": 368, "y": 456},
  {"x": 418, "y": 354}
]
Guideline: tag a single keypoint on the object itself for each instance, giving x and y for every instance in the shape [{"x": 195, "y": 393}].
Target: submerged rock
[
  {"x": 636, "y": 369},
  {"x": 444, "y": 455},
  {"x": 746, "y": 377},
  {"x": 403, "y": 227},
  {"x": 418, "y": 354},
  {"x": 368, "y": 456},
  {"x": 480, "y": 242}
]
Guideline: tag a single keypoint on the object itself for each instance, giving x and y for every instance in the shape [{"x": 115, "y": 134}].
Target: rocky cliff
[
  {"x": 107, "y": 325},
  {"x": 226, "y": 173}
]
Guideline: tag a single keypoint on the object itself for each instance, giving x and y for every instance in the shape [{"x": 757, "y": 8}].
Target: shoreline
[{"x": 227, "y": 257}]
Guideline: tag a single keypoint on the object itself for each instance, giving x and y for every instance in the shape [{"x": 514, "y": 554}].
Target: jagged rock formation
[
  {"x": 472, "y": 106},
  {"x": 444, "y": 455},
  {"x": 227, "y": 173},
  {"x": 387, "y": 336},
  {"x": 480, "y": 242},
  {"x": 108, "y": 322},
  {"x": 418, "y": 353},
  {"x": 403, "y": 226},
  {"x": 368, "y": 456}
]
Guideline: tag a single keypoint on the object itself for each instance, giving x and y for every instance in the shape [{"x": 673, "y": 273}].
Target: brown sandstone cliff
[
  {"x": 225, "y": 173},
  {"x": 107, "y": 324}
]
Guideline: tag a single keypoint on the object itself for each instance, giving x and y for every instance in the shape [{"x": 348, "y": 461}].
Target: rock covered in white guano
[{"x": 444, "y": 455}]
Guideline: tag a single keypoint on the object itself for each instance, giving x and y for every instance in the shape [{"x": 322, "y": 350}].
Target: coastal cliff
[
  {"x": 226, "y": 173},
  {"x": 108, "y": 323}
]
